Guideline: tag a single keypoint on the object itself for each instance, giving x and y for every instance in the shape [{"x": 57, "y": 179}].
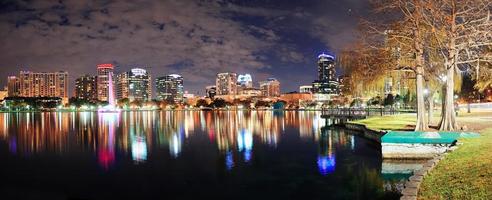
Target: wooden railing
[{"x": 357, "y": 112}]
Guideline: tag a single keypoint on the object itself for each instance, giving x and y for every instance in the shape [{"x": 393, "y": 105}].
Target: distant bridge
[{"x": 356, "y": 113}]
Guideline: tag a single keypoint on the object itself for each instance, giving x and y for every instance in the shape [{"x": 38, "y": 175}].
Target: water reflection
[
  {"x": 249, "y": 145},
  {"x": 135, "y": 133},
  {"x": 108, "y": 123},
  {"x": 396, "y": 172}
]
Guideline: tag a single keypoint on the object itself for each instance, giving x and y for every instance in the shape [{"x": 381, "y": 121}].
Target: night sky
[{"x": 197, "y": 39}]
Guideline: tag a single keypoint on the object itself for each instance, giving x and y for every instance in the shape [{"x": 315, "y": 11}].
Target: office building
[
  {"x": 270, "y": 87},
  {"x": 244, "y": 82},
  {"x": 13, "y": 86},
  {"x": 134, "y": 85},
  {"x": 306, "y": 89},
  {"x": 170, "y": 88},
  {"x": 86, "y": 88},
  {"x": 44, "y": 84},
  {"x": 327, "y": 82},
  {"x": 226, "y": 84},
  {"x": 103, "y": 73}
]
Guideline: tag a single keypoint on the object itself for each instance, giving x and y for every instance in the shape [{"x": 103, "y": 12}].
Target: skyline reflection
[
  {"x": 234, "y": 152},
  {"x": 135, "y": 134}
]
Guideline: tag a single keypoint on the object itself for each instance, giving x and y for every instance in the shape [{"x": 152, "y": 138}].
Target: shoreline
[{"x": 49, "y": 111}]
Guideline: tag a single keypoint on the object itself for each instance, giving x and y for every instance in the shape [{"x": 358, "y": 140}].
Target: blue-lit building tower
[{"x": 327, "y": 82}]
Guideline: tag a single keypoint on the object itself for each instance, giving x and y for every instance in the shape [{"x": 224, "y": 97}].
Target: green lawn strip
[
  {"x": 464, "y": 174},
  {"x": 392, "y": 122}
]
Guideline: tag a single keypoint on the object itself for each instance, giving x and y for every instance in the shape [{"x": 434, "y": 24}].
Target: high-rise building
[
  {"x": 327, "y": 82},
  {"x": 121, "y": 83},
  {"x": 270, "y": 87},
  {"x": 13, "y": 86},
  {"x": 103, "y": 73},
  {"x": 86, "y": 88},
  {"x": 44, "y": 84},
  {"x": 211, "y": 91},
  {"x": 134, "y": 85},
  {"x": 306, "y": 89},
  {"x": 170, "y": 88},
  {"x": 226, "y": 84},
  {"x": 245, "y": 81}
]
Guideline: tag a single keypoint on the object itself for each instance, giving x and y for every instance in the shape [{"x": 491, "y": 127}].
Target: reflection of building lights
[
  {"x": 247, "y": 155},
  {"x": 245, "y": 142},
  {"x": 229, "y": 161},
  {"x": 139, "y": 149},
  {"x": 352, "y": 142},
  {"x": 175, "y": 146},
  {"x": 13, "y": 145},
  {"x": 326, "y": 164},
  {"x": 105, "y": 158}
]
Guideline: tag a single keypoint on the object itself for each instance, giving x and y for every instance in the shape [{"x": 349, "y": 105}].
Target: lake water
[{"x": 189, "y": 155}]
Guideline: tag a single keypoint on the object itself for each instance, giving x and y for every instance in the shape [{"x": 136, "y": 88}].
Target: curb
[
  {"x": 365, "y": 132},
  {"x": 412, "y": 186}
]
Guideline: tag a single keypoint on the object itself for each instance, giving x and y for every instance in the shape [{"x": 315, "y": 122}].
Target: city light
[{"x": 246, "y": 99}]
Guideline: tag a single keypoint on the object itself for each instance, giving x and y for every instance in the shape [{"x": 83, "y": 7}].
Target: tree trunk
[
  {"x": 430, "y": 109},
  {"x": 448, "y": 118},
  {"x": 421, "y": 122}
]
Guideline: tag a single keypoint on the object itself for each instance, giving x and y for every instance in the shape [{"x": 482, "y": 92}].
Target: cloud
[
  {"x": 195, "y": 38},
  {"x": 76, "y": 35}
]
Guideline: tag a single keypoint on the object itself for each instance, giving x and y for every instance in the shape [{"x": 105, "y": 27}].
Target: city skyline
[
  {"x": 123, "y": 81},
  {"x": 264, "y": 40}
]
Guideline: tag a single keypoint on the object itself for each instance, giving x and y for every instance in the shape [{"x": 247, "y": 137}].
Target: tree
[
  {"x": 389, "y": 100},
  {"x": 219, "y": 103},
  {"x": 123, "y": 102},
  {"x": 261, "y": 103},
  {"x": 201, "y": 103},
  {"x": 463, "y": 32},
  {"x": 408, "y": 34},
  {"x": 136, "y": 103},
  {"x": 395, "y": 41}
]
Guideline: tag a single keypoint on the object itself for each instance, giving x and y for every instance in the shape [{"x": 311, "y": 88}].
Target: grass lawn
[
  {"x": 391, "y": 122},
  {"x": 464, "y": 174}
]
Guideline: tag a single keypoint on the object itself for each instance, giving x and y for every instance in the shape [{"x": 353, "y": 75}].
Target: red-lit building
[{"x": 103, "y": 73}]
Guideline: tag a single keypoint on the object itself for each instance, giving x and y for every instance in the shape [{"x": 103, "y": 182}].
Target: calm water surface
[{"x": 188, "y": 155}]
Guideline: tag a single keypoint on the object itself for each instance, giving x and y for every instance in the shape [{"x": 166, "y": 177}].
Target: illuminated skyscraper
[
  {"x": 13, "y": 86},
  {"x": 134, "y": 85},
  {"x": 327, "y": 82},
  {"x": 44, "y": 84},
  {"x": 270, "y": 87},
  {"x": 170, "y": 88},
  {"x": 103, "y": 73},
  {"x": 226, "y": 84},
  {"x": 86, "y": 88},
  {"x": 245, "y": 81}
]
